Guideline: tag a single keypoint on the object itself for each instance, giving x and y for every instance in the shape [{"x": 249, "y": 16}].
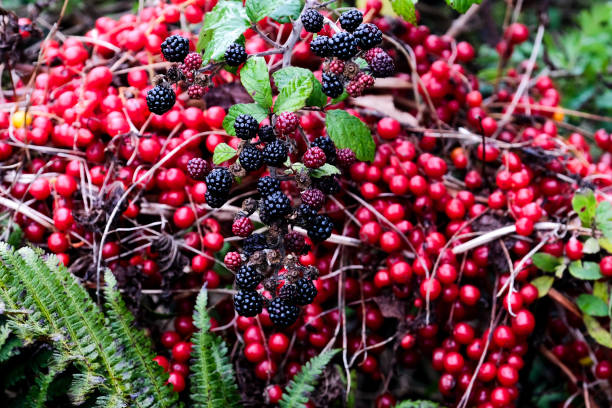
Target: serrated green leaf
[
  {"x": 598, "y": 333},
  {"x": 546, "y": 262},
  {"x": 590, "y": 246},
  {"x": 325, "y": 170},
  {"x": 585, "y": 205},
  {"x": 252, "y": 109},
  {"x": 462, "y": 5},
  {"x": 15, "y": 237},
  {"x": 256, "y": 80},
  {"x": 585, "y": 271},
  {"x": 592, "y": 305},
  {"x": 222, "y": 27},
  {"x": 293, "y": 95},
  {"x": 223, "y": 152},
  {"x": 283, "y": 76},
  {"x": 347, "y": 131},
  {"x": 258, "y": 9},
  {"x": 543, "y": 284},
  {"x": 286, "y": 11},
  {"x": 405, "y": 9},
  {"x": 317, "y": 97}
]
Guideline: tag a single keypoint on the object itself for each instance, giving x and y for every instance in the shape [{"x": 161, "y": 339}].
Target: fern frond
[
  {"x": 418, "y": 404},
  {"x": 37, "y": 394},
  {"x": 212, "y": 383},
  {"x": 296, "y": 394},
  {"x": 150, "y": 382},
  {"x": 82, "y": 385},
  {"x": 9, "y": 348},
  {"x": 110, "y": 401}
]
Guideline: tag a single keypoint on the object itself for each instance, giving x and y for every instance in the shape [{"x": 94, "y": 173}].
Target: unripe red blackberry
[
  {"x": 336, "y": 67},
  {"x": 242, "y": 227},
  {"x": 354, "y": 88},
  {"x": 314, "y": 157},
  {"x": 287, "y": 123},
  {"x": 314, "y": 198},
  {"x": 198, "y": 168},
  {"x": 196, "y": 91},
  {"x": 192, "y": 61},
  {"x": 232, "y": 260},
  {"x": 345, "y": 157},
  {"x": 295, "y": 242}
]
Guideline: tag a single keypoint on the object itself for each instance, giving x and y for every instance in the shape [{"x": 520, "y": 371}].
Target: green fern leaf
[
  {"x": 138, "y": 348},
  {"x": 212, "y": 383},
  {"x": 37, "y": 394},
  {"x": 296, "y": 394}
]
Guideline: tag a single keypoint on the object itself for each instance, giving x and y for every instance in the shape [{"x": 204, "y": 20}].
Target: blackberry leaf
[
  {"x": 347, "y": 131},
  {"x": 223, "y": 152},
  {"x": 256, "y": 80}
]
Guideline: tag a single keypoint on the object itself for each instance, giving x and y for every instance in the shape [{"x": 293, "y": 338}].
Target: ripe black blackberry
[
  {"x": 328, "y": 185},
  {"x": 275, "y": 153},
  {"x": 320, "y": 46},
  {"x": 160, "y": 99},
  {"x": 368, "y": 36},
  {"x": 266, "y": 134},
  {"x": 253, "y": 243},
  {"x": 288, "y": 293},
  {"x": 382, "y": 65},
  {"x": 282, "y": 314},
  {"x": 245, "y": 126},
  {"x": 268, "y": 185},
  {"x": 312, "y": 21},
  {"x": 248, "y": 303},
  {"x": 175, "y": 48},
  {"x": 214, "y": 200},
  {"x": 350, "y": 20},
  {"x": 343, "y": 45},
  {"x": 306, "y": 291},
  {"x": 219, "y": 181},
  {"x": 235, "y": 55},
  {"x": 314, "y": 198},
  {"x": 276, "y": 205},
  {"x": 250, "y": 158},
  {"x": 305, "y": 215},
  {"x": 320, "y": 229},
  {"x": 198, "y": 168},
  {"x": 295, "y": 242},
  {"x": 247, "y": 277},
  {"x": 332, "y": 85},
  {"x": 328, "y": 146}
]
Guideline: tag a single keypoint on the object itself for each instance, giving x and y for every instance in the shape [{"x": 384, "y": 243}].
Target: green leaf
[
  {"x": 546, "y": 262},
  {"x": 258, "y": 9},
  {"x": 590, "y": 246},
  {"x": 317, "y": 97},
  {"x": 417, "y": 404},
  {"x": 296, "y": 394},
  {"x": 223, "y": 152},
  {"x": 605, "y": 244},
  {"x": 598, "y": 333},
  {"x": 222, "y": 27},
  {"x": 592, "y": 305},
  {"x": 325, "y": 170},
  {"x": 585, "y": 271},
  {"x": 252, "y": 109},
  {"x": 347, "y": 131},
  {"x": 405, "y": 9},
  {"x": 340, "y": 98},
  {"x": 603, "y": 218},
  {"x": 462, "y": 5},
  {"x": 559, "y": 270},
  {"x": 286, "y": 11},
  {"x": 293, "y": 95},
  {"x": 283, "y": 77},
  {"x": 543, "y": 284},
  {"x": 256, "y": 80},
  {"x": 601, "y": 290},
  {"x": 585, "y": 205}
]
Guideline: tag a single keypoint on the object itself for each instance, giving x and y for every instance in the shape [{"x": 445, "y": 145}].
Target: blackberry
[
  {"x": 245, "y": 126},
  {"x": 314, "y": 198},
  {"x": 275, "y": 153},
  {"x": 346, "y": 157},
  {"x": 276, "y": 205},
  {"x": 368, "y": 36},
  {"x": 247, "y": 277},
  {"x": 232, "y": 260},
  {"x": 295, "y": 242},
  {"x": 370, "y": 54},
  {"x": 219, "y": 181},
  {"x": 175, "y": 48},
  {"x": 242, "y": 227},
  {"x": 332, "y": 85},
  {"x": 287, "y": 123},
  {"x": 288, "y": 293},
  {"x": 215, "y": 201},
  {"x": 174, "y": 74},
  {"x": 320, "y": 46},
  {"x": 250, "y": 158},
  {"x": 196, "y": 91},
  {"x": 328, "y": 185},
  {"x": 354, "y": 88},
  {"x": 253, "y": 243},
  {"x": 343, "y": 45},
  {"x": 336, "y": 67},
  {"x": 160, "y": 99},
  {"x": 314, "y": 157},
  {"x": 305, "y": 215},
  {"x": 235, "y": 55},
  {"x": 328, "y": 146},
  {"x": 312, "y": 21},
  {"x": 350, "y": 20},
  {"x": 268, "y": 185},
  {"x": 248, "y": 303},
  {"x": 198, "y": 168},
  {"x": 320, "y": 229},
  {"x": 192, "y": 61},
  {"x": 382, "y": 65},
  {"x": 266, "y": 134},
  {"x": 306, "y": 291},
  {"x": 282, "y": 314}
]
